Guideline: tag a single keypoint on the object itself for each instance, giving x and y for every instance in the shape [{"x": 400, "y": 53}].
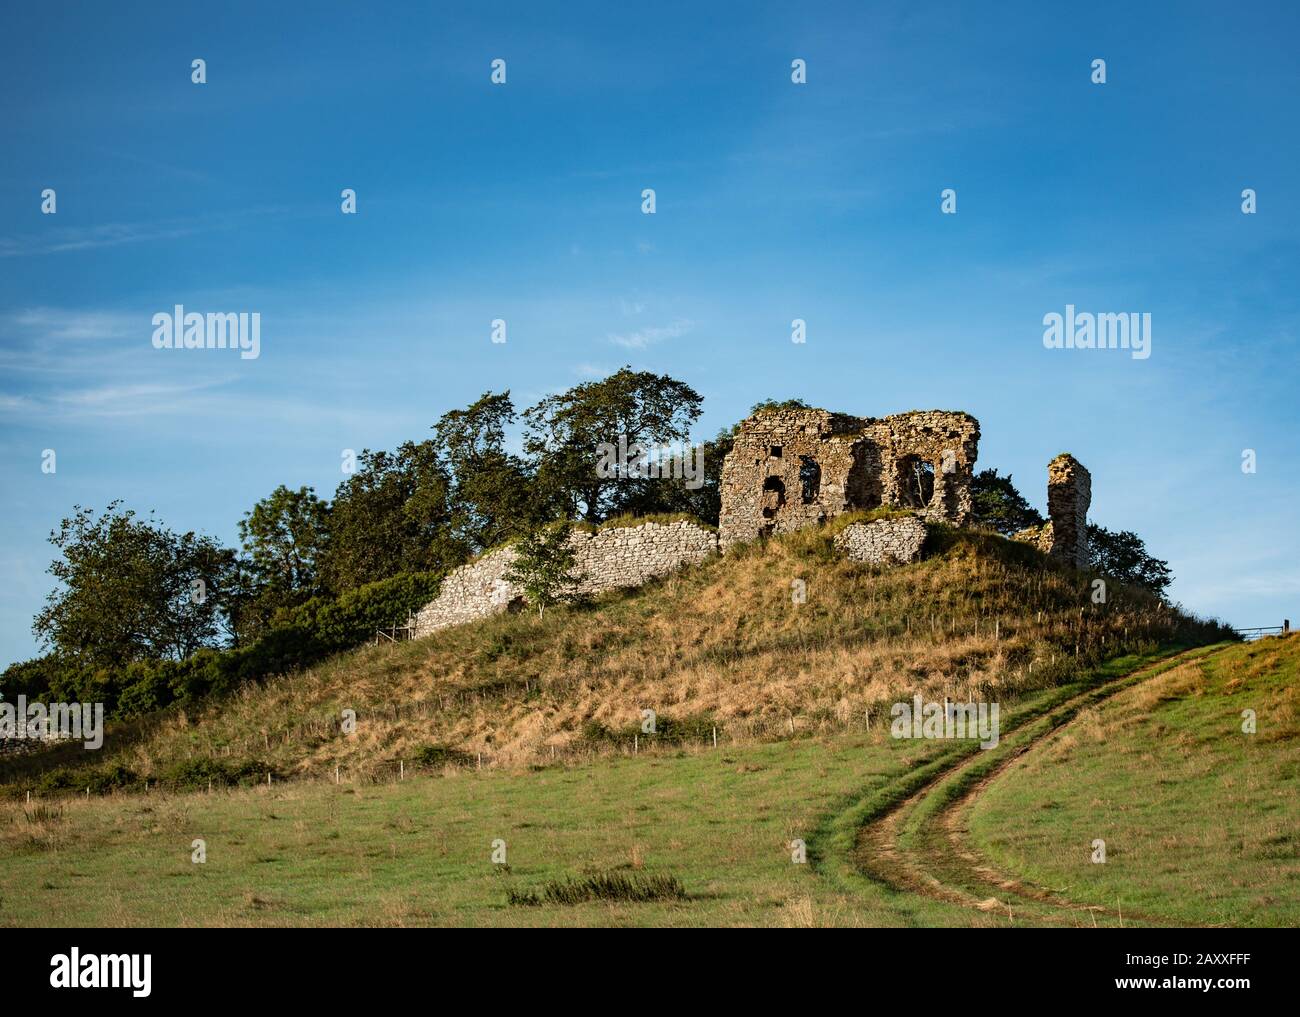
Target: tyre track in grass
[{"x": 916, "y": 842}]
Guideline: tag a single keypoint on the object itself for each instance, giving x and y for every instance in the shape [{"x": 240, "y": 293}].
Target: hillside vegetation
[
  {"x": 703, "y": 836},
  {"x": 1200, "y": 817},
  {"x": 720, "y": 646}
]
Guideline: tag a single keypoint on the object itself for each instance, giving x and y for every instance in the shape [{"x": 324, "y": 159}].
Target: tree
[
  {"x": 997, "y": 504},
  {"x": 564, "y": 434},
  {"x": 543, "y": 566},
  {"x": 492, "y": 494},
  {"x": 676, "y": 494},
  {"x": 1124, "y": 556},
  {"x": 284, "y": 537},
  {"x": 30, "y": 678},
  {"x": 391, "y": 516},
  {"x": 132, "y": 590}
]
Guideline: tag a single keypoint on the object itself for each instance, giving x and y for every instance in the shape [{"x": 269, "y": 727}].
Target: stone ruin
[
  {"x": 609, "y": 559},
  {"x": 797, "y": 467},
  {"x": 792, "y": 468},
  {"x": 1069, "y": 493}
]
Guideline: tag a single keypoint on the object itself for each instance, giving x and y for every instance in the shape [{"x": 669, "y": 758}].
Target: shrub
[
  {"x": 627, "y": 888},
  {"x": 434, "y": 756}
]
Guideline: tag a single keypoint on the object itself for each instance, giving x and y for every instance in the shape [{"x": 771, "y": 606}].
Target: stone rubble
[{"x": 884, "y": 541}]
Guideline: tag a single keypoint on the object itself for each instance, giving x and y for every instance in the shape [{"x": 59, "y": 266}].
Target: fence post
[{"x": 1286, "y": 626}]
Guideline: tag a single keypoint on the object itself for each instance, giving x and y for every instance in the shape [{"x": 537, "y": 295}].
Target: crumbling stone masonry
[
  {"x": 1069, "y": 493},
  {"x": 794, "y": 467},
  {"x": 883, "y": 542},
  {"x": 604, "y": 560}
]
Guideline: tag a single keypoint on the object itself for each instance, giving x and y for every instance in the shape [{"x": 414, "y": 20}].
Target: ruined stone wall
[
  {"x": 1069, "y": 494},
  {"x": 792, "y": 468},
  {"x": 605, "y": 560},
  {"x": 947, "y": 442},
  {"x": 473, "y": 591},
  {"x": 762, "y": 488},
  {"x": 885, "y": 541}
]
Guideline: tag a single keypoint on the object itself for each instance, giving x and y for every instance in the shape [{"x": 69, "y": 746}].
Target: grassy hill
[
  {"x": 520, "y": 731},
  {"x": 718, "y": 824},
  {"x": 720, "y": 646},
  {"x": 1201, "y": 820}
]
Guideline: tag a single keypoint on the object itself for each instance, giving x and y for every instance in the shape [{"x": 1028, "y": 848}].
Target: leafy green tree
[
  {"x": 1123, "y": 555},
  {"x": 131, "y": 589},
  {"x": 543, "y": 566},
  {"x": 998, "y": 504},
  {"x": 564, "y": 433},
  {"x": 391, "y": 516},
  {"x": 30, "y": 678},
  {"x": 677, "y": 495},
  {"x": 284, "y": 537},
  {"x": 493, "y": 494}
]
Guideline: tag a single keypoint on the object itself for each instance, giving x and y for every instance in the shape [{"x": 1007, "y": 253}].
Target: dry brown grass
[{"x": 721, "y": 643}]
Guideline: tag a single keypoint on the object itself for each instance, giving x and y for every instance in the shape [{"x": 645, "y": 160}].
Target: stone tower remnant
[{"x": 1069, "y": 493}]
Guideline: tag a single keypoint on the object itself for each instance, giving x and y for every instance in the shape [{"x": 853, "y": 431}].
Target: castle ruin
[
  {"x": 1069, "y": 494},
  {"x": 792, "y": 467}
]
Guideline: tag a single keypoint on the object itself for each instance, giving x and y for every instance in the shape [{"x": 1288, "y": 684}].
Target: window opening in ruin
[
  {"x": 915, "y": 482},
  {"x": 810, "y": 478},
  {"x": 774, "y": 451},
  {"x": 773, "y": 496}
]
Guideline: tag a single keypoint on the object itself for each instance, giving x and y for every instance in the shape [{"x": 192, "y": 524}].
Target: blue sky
[{"x": 775, "y": 201}]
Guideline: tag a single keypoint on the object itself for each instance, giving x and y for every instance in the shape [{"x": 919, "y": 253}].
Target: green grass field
[
  {"x": 1201, "y": 821},
  {"x": 419, "y": 851},
  {"x": 1200, "y": 824}
]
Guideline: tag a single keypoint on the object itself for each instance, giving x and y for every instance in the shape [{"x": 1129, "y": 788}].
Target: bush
[
  {"x": 197, "y": 774},
  {"x": 435, "y": 756},
  {"x": 299, "y": 637},
  {"x": 668, "y": 731},
  {"x": 603, "y": 886}
]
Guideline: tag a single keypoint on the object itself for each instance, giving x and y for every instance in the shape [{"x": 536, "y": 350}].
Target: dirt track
[{"x": 920, "y": 845}]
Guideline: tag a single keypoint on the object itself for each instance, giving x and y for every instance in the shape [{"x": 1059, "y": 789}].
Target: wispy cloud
[
  {"x": 116, "y": 234},
  {"x": 90, "y": 237},
  {"x": 73, "y": 326},
  {"x": 644, "y": 337},
  {"x": 105, "y": 401}
]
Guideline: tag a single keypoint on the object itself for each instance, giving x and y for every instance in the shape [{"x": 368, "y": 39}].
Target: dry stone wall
[
  {"x": 883, "y": 542},
  {"x": 608, "y": 559}
]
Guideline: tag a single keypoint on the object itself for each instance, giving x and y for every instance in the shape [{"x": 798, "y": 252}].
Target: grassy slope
[
  {"x": 723, "y": 640},
  {"x": 418, "y": 851},
  {"x": 720, "y": 644},
  {"x": 1201, "y": 821}
]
